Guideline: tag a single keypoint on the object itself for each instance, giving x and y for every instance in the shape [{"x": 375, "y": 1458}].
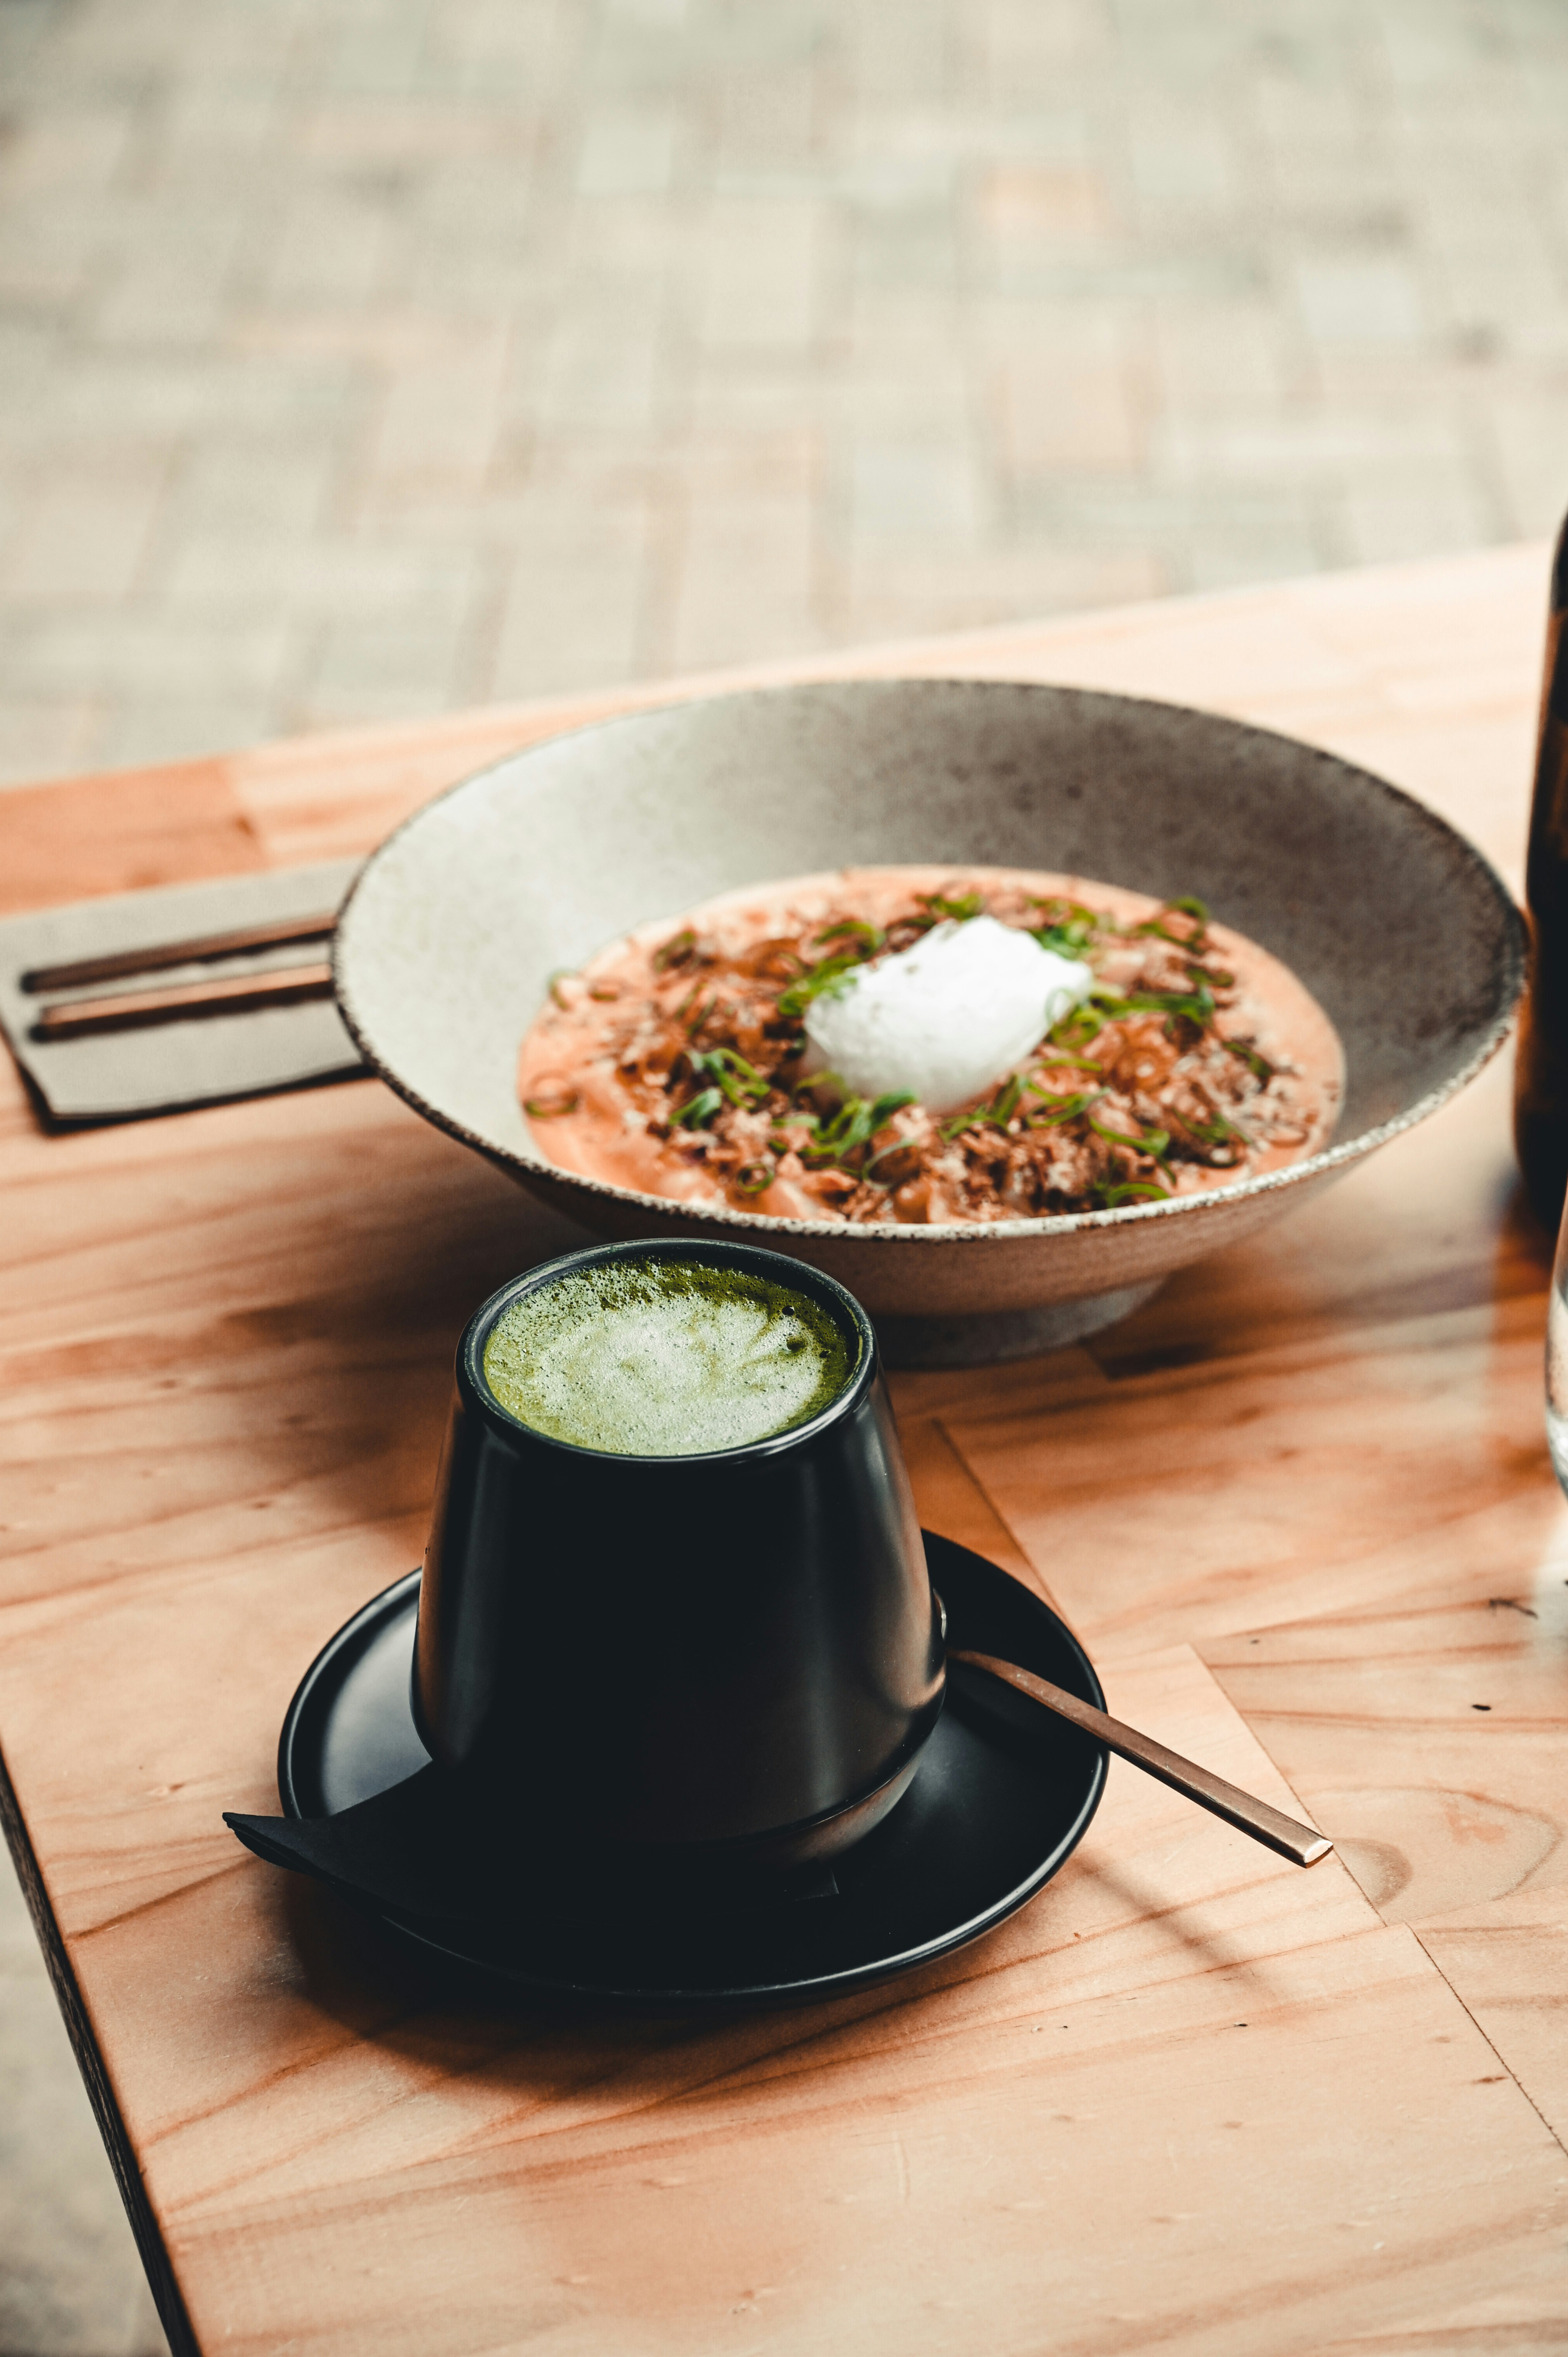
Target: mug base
[
  {"x": 720, "y": 1870},
  {"x": 695, "y": 1873},
  {"x": 783, "y": 1853}
]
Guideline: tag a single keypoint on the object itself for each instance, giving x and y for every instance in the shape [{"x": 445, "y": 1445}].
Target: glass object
[
  {"x": 1541, "y": 1072},
  {"x": 1557, "y": 1361}
]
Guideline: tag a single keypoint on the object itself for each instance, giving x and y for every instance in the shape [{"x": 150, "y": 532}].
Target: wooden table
[{"x": 1191, "y": 2098}]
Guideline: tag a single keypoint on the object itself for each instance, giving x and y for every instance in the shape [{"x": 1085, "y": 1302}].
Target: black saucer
[{"x": 1003, "y": 1795}]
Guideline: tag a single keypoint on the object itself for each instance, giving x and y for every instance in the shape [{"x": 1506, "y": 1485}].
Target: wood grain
[
  {"x": 452, "y": 2146},
  {"x": 1429, "y": 1736},
  {"x": 959, "y": 2185},
  {"x": 1302, "y": 1425},
  {"x": 175, "y": 824},
  {"x": 951, "y": 1500},
  {"x": 1508, "y": 1964},
  {"x": 1299, "y": 1506}
]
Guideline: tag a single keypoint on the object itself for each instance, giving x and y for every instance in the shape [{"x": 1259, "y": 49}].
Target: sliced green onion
[
  {"x": 1196, "y": 1006},
  {"x": 899, "y": 1146},
  {"x": 741, "y": 1082},
  {"x": 850, "y": 1118},
  {"x": 857, "y": 1120},
  {"x": 1256, "y": 1063},
  {"x": 1069, "y": 927},
  {"x": 1004, "y": 1104},
  {"x": 1154, "y": 1142},
  {"x": 1059, "y": 1109},
  {"x": 855, "y": 929},
  {"x": 828, "y": 973},
  {"x": 1155, "y": 927},
  {"x": 755, "y": 1177},
  {"x": 675, "y": 950},
  {"x": 700, "y": 1111},
  {"x": 957, "y": 912},
  {"x": 887, "y": 1107},
  {"x": 1218, "y": 1132},
  {"x": 1085, "y": 1021}
]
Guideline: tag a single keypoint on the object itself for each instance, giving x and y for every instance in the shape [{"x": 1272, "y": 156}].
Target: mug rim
[{"x": 779, "y": 1268}]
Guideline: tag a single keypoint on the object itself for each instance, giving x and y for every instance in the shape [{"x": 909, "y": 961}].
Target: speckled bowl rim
[{"x": 974, "y": 1233}]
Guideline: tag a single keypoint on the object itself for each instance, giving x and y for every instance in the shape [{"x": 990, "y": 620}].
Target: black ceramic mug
[{"x": 736, "y": 1654}]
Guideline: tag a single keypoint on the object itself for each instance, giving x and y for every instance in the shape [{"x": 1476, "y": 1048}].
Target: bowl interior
[{"x": 1398, "y": 926}]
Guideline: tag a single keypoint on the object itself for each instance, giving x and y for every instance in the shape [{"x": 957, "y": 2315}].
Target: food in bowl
[{"x": 918, "y": 1046}]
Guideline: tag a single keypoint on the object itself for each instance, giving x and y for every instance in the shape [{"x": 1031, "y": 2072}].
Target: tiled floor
[
  {"x": 364, "y": 356},
  {"x": 360, "y": 356}
]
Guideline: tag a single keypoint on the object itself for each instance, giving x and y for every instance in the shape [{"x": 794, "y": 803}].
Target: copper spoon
[{"x": 1302, "y": 1845}]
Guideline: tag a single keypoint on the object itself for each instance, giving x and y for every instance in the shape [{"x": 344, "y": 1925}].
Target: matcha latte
[{"x": 665, "y": 1358}]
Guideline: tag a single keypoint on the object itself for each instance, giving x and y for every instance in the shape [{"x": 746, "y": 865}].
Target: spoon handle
[
  {"x": 236, "y": 993},
  {"x": 1302, "y": 1845},
  {"x": 278, "y": 932}
]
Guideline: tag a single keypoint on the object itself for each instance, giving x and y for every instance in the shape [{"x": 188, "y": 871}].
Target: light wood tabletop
[{"x": 1190, "y": 2098}]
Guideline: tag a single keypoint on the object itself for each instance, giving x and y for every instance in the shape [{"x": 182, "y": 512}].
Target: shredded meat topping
[{"x": 1147, "y": 1090}]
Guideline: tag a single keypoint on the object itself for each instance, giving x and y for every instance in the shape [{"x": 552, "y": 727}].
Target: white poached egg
[{"x": 946, "y": 1018}]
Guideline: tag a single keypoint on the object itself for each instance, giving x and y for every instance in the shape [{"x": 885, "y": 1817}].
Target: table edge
[{"x": 155, "y": 2262}]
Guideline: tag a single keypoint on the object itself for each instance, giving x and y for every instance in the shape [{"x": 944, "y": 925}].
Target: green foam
[{"x": 655, "y": 1358}]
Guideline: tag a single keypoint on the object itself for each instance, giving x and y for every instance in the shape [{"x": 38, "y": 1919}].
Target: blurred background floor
[
  {"x": 70, "y": 2283},
  {"x": 363, "y": 357}
]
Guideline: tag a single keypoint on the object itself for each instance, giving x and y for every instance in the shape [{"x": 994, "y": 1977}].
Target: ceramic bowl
[{"x": 1393, "y": 921}]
